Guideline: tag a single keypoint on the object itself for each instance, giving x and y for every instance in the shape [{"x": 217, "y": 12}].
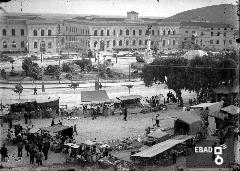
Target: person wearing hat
[
  {"x": 4, "y": 153},
  {"x": 27, "y": 147},
  {"x": 157, "y": 121}
]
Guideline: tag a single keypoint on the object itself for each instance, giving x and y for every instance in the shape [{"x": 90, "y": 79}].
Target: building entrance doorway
[{"x": 102, "y": 43}]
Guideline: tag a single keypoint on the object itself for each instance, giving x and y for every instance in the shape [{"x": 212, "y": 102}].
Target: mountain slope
[{"x": 225, "y": 13}]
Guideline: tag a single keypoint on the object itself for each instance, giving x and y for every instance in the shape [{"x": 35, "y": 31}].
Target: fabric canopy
[
  {"x": 34, "y": 130},
  {"x": 72, "y": 145},
  {"x": 130, "y": 97},
  {"x": 94, "y": 96},
  {"x": 158, "y": 134},
  {"x": 89, "y": 142},
  {"x": 233, "y": 110},
  {"x": 189, "y": 117},
  {"x": 55, "y": 128},
  {"x": 213, "y": 109},
  {"x": 163, "y": 146},
  {"x": 203, "y": 105}
]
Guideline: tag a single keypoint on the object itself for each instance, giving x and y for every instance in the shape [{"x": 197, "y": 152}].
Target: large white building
[{"x": 22, "y": 32}]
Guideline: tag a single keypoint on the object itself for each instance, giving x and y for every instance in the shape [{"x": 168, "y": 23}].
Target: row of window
[
  {"x": 218, "y": 34},
  {"x": 77, "y": 30},
  {"x": 212, "y": 33},
  {"x": 127, "y": 32},
  {"x": 140, "y": 43},
  {"x": 13, "y": 44},
  {"x": 13, "y": 32},
  {"x": 42, "y": 32},
  {"x": 220, "y": 28},
  {"x": 35, "y": 45},
  {"x": 217, "y": 42}
]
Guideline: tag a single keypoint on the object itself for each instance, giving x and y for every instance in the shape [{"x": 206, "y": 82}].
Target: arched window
[
  {"x": 5, "y": 44},
  {"x": 101, "y": 32},
  {"x": 14, "y": 45},
  {"x": 49, "y": 32},
  {"x": 127, "y": 42},
  {"x": 120, "y": 43},
  {"x": 152, "y": 32},
  {"x": 140, "y": 42},
  {"x": 95, "y": 33},
  {"x": 163, "y": 43},
  {"x": 164, "y": 32},
  {"x": 174, "y": 32},
  {"x": 13, "y": 32},
  {"x": 146, "y": 42},
  {"x": 120, "y": 32},
  {"x": 140, "y": 32},
  {"x": 174, "y": 42},
  {"x": 42, "y": 32},
  {"x": 107, "y": 32},
  {"x": 114, "y": 43},
  {"x": 49, "y": 45},
  {"x": 169, "y": 32},
  {"x": 134, "y": 42},
  {"x": 127, "y": 32},
  {"x": 22, "y": 44},
  {"x": 95, "y": 44},
  {"x": 34, "y": 32},
  {"x": 4, "y": 32},
  {"x": 114, "y": 32},
  {"x": 35, "y": 45},
  {"x": 134, "y": 32}
]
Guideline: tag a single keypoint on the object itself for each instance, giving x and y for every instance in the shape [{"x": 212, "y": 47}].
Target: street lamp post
[{"x": 42, "y": 50}]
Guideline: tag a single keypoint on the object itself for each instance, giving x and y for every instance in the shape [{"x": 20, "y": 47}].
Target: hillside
[{"x": 226, "y": 13}]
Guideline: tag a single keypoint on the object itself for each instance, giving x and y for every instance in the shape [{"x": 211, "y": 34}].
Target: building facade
[
  {"x": 13, "y": 36},
  {"x": 43, "y": 33},
  {"x": 214, "y": 36},
  {"x": 30, "y": 33}
]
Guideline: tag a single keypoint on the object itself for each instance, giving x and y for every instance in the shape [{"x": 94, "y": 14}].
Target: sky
[{"x": 146, "y": 8}]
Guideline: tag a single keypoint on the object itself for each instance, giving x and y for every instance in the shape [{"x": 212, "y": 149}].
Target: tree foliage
[
  {"x": 52, "y": 70},
  {"x": 18, "y": 89},
  {"x": 199, "y": 74},
  {"x": 31, "y": 69},
  {"x": 83, "y": 63}
]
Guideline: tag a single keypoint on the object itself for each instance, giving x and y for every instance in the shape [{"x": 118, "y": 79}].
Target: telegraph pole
[
  {"x": 42, "y": 50},
  {"x": 59, "y": 51}
]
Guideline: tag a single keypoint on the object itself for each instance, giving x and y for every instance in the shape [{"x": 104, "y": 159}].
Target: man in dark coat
[
  {"x": 125, "y": 113},
  {"x": 52, "y": 122},
  {"x": 38, "y": 157},
  {"x": 27, "y": 148},
  {"x": 45, "y": 150},
  {"x": 10, "y": 120},
  {"x": 4, "y": 153},
  {"x": 25, "y": 117},
  {"x": 32, "y": 153},
  {"x": 20, "y": 148}
]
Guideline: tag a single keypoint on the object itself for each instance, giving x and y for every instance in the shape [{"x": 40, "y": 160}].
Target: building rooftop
[{"x": 206, "y": 24}]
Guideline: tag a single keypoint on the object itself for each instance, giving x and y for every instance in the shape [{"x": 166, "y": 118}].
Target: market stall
[
  {"x": 211, "y": 109},
  {"x": 98, "y": 97},
  {"x": 131, "y": 100},
  {"x": 57, "y": 132},
  {"x": 160, "y": 152},
  {"x": 188, "y": 123},
  {"x": 232, "y": 113},
  {"x": 48, "y": 107}
]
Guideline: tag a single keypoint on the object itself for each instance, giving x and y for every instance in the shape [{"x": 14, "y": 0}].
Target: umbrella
[
  {"x": 89, "y": 142},
  {"x": 193, "y": 53}
]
